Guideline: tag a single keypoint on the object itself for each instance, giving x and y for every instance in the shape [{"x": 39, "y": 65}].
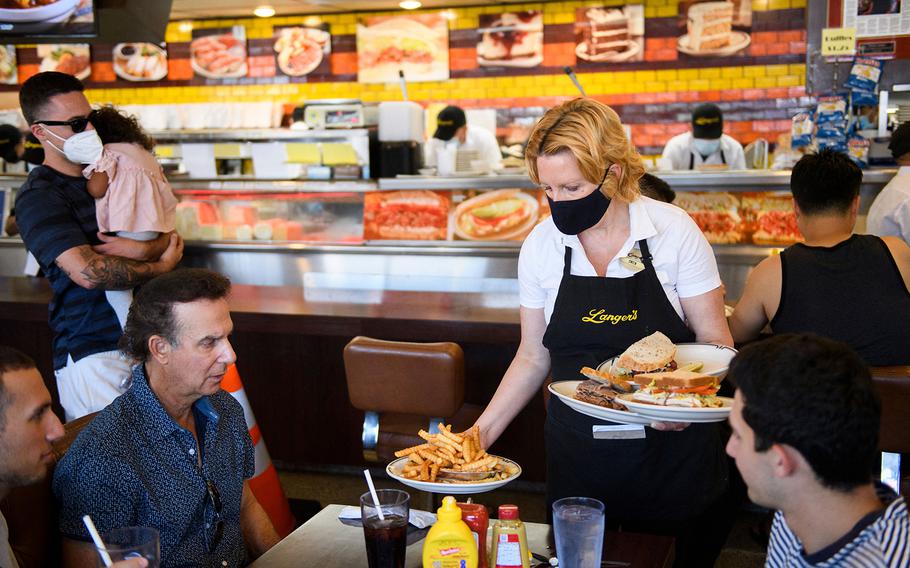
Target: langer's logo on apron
[{"x": 601, "y": 316}]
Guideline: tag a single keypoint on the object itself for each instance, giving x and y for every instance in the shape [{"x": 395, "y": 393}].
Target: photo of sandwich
[
  {"x": 405, "y": 215},
  {"x": 512, "y": 39},
  {"x": 687, "y": 389},
  {"x": 715, "y": 213},
  {"x": 610, "y": 34},
  {"x": 8, "y": 70},
  {"x": 300, "y": 50},
  {"x": 771, "y": 219},
  {"x": 219, "y": 54},
  {"x": 66, "y": 58},
  {"x": 502, "y": 215},
  {"x": 709, "y": 27},
  {"x": 417, "y": 45}
]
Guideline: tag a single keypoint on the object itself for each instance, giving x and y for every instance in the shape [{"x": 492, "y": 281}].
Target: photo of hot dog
[
  {"x": 505, "y": 214},
  {"x": 405, "y": 215}
]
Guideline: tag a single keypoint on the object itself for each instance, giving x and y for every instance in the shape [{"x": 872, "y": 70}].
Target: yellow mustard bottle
[
  {"x": 449, "y": 544},
  {"x": 510, "y": 541}
]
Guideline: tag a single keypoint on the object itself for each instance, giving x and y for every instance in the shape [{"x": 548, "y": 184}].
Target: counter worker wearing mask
[
  {"x": 571, "y": 268},
  {"x": 705, "y": 145},
  {"x": 889, "y": 214},
  {"x": 452, "y": 129}
]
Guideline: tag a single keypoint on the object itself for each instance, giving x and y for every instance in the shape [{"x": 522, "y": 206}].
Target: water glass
[
  {"x": 579, "y": 526},
  {"x": 132, "y": 542},
  {"x": 386, "y": 539}
]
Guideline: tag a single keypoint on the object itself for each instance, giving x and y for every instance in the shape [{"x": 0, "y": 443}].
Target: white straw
[
  {"x": 366, "y": 473},
  {"x": 98, "y": 542}
]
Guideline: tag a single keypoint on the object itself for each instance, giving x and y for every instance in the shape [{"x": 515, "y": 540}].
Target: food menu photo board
[
  {"x": 418, "y": 215},
  {"x": 733, "y": 218},
  {"x": 47, "y": 18},
  {"x": 140, "y": 61},
  {"x": 416, "y": 44},
  {"x": 605, "y": 34},
  {"x": 501, "y": 215},
  {"x": 66, "y": 58},
  {"x": 511, "y": 39},
  {"x": 219, "y": 53},
  {"x": 8, "y": 71},
  {"x": 301, "y": 51},
  {"x": 714, "y": 29}
]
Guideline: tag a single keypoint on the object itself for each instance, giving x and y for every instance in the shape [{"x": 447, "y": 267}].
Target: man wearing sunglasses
[
  {"x": 56, "y": 217},
  {"x": 174, "y": 452}
]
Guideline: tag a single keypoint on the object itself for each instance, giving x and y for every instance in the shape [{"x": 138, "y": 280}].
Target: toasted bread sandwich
[
  {"x": 677, "y": 388},
  {"x": 651, "y": 354}
]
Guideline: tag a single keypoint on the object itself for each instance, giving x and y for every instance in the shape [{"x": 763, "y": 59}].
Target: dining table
[{"x": 325, "y": 542}]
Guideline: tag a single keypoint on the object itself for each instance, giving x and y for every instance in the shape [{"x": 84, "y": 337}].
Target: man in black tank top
[{"x": 853, "y": 288}]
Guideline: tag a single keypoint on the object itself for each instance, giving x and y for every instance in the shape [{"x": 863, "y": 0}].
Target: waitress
[{"x": 576, "y": 264}]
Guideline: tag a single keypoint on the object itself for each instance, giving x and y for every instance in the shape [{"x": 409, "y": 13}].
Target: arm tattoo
[{"x": 113, "y": 272}]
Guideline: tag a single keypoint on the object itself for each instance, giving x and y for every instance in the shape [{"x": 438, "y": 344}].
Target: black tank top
[{"x": 852, "y": 292}]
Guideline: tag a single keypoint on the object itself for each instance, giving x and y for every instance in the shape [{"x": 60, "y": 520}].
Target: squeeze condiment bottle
[
  {"x": 449, "y": 544},
  {"x": 510, "y": 542},
  {"x": 475, "y": 516}
]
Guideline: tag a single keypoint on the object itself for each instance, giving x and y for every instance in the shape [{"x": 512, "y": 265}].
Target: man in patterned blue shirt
[
  {"x": 56, "y": 216},
  {"x": 173, "y": 452},
  {"x": 805, "y": 424}
]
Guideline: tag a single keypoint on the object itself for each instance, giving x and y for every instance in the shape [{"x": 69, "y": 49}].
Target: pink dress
[{"x": 138, "y": 197}]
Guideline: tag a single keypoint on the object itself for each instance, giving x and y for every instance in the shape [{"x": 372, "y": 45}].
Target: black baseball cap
[
  {"x": 9, "y": 139},
  {"x": 449, "y": 120},
  {"x": 900, "y": 140},
  {"x": 707, "y": 122}
]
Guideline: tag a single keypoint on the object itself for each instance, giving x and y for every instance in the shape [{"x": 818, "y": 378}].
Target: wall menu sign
[
  {"x": 838, "y": 42},
  {"x": 877, "y": 18}
]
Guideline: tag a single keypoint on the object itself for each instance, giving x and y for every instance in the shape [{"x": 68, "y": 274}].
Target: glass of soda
[
  {"x": 386, "y": 539},
  {"x": 131, "y": 542},
  {"x": 579, "y": 526}
]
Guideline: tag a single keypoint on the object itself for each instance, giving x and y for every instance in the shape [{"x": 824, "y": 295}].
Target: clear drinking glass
[
  {"x": 386, "y": 539},
  {"x": 579, "y": 526},
  {"x": 132, "y": 542}
]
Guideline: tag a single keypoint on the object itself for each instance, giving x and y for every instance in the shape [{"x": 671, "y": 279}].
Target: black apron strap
[
  {"x": 691, "y": 160},
  {"x": 567, "y": 262},
  {"x": 645, "y": 252},
  {"x": 723, "y": 158}
]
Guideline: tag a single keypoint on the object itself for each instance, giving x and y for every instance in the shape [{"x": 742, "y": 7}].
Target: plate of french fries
[{"x": 452, "y": 463}]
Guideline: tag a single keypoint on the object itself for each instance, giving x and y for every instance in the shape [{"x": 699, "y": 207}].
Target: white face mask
[
  {"x": 706, "y": 147},
  {"x": 80, "y": 148}
]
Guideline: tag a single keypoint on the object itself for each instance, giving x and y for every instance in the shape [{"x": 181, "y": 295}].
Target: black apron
[
  {"x": 723, "y": 159},
  {"x": 665, "y": 477}
]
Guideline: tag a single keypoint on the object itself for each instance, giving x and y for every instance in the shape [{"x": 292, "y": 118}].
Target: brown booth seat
[
  {"x": 31, "y": 511},
  {"x": 403, "y": 387},
  {"x": 893, "y": 386}
]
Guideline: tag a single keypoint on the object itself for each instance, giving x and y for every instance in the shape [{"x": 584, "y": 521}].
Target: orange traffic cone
[{"x": 264, "y": 483}]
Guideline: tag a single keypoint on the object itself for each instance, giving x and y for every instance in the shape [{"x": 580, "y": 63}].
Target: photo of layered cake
[
  {"x": 709, "y": 29},
  {"x": 609, "y": 34},
  {"x": 512, "y": 39}
]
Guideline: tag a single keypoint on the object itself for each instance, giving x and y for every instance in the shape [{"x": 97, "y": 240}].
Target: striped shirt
[
  {"x": 881, "y": 539},
  {"x": 56, "y": 213}
]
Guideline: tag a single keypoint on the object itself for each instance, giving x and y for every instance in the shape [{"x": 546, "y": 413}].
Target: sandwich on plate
[
  {"x": 652, "y": 354},
  {"x": 687, "y": 389}
]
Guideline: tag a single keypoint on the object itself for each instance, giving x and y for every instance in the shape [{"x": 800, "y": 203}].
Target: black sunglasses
[
  {"x": 77, "y": 124},
  {"x": 214, "y": 498}
]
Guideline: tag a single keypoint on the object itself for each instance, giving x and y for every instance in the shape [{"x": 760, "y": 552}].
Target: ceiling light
[
  {"x": 409, "y": 4},
  {"x": 264, "y": 11},
  {"x": 449, "y": 14},
  {"x": 312, "y": 21},
  {"x": 185, "y": 26}
]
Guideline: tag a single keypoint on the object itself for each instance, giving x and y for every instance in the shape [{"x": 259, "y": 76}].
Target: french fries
[{"x": 448, "y": 450}]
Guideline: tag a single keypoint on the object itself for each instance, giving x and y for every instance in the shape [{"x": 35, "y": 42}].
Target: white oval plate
[
  {"x": 738, "y": 41},
  {"x": 632, "y": 49},
  {"x": 678, "y": 413},
  {"x": 716, "y": 358},
  {"x": 58, "y": 10},
  {"x": 565, "y": 390},
  {"x": 394, "y": 471}
]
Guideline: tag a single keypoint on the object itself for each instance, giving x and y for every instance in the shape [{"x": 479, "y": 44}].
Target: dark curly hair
[
  {"x": 825, "y": 182},
  {"x": 152, "y": 312},
  {"x": 815, "y": 395},
  {"x": 114, "y": 126}
]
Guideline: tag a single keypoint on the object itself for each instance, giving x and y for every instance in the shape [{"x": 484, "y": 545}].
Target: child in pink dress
[{"x": 133, "y": 199}]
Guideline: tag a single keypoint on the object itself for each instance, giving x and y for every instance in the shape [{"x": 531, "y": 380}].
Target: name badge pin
[{"x": 633, "y": 263}]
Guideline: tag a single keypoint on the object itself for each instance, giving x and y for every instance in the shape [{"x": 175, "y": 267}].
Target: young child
[{"x": 133, "y": 199}]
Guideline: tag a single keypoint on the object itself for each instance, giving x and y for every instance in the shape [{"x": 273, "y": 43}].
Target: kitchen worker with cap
[
  {"x": 705, "y": 145},
  {"x": 452, "y": 129},
  {"x": 889, "y": 214}
]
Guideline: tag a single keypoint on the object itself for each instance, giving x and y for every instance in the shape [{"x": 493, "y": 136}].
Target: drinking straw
[
  {"x": 366, "y": 473},
  {"x": 99, "y": 544},
  {"x": 404, "y": 85},
  {"x": 571, "y": 74}
]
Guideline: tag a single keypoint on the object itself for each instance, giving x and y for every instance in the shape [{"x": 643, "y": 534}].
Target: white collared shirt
[
  {"x": 682, "y": 257},
  {"x": 476, "y": 138},
  {"x": 890, "y": 212},
  {"x": 680, "y": 150}
]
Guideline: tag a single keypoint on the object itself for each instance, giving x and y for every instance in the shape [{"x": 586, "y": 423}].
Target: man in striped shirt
[
  {"x": 805, "y": 423},
  {"x": 56, "y": 216}
]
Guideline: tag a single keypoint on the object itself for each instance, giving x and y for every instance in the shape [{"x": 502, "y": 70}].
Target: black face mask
[{"x": 573, "y": 217}]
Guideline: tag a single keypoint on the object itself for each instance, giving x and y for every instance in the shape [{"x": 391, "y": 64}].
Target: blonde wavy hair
[{"x": 592, "y": 132}]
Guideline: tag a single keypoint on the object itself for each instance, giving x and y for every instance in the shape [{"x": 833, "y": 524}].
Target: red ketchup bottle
[{"x": 476, "y": 517}]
